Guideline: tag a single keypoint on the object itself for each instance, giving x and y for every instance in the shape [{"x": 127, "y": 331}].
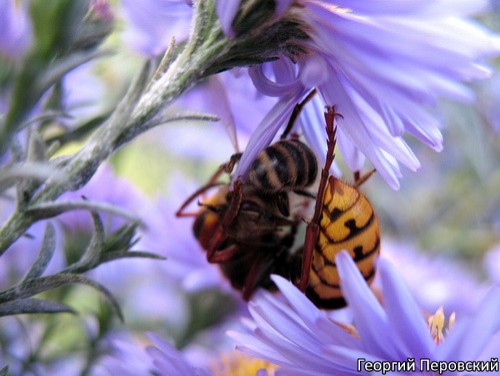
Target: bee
[
  {"x": 248, "y": 231},
  {"x": 343, "y": 219},
  {"x": 253, "y": 245}
]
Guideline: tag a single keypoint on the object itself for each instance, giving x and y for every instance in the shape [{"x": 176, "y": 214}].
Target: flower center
[
  {"x": 236, "y": 364},
  {"x": 437, "y": 324}
]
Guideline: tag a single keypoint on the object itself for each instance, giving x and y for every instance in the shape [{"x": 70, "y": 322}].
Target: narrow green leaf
[
  {"x": 123, "y": 239},
  {"x": 80, "y": 132},
  {"x": 30, "y": 305},
  {"x": 37, "y": 150},
  {"x": 27, "y": 171},
  {"x": 90, "y": 259},
  {"x": 51, "y": 209},
  {"x": 36, "y": 286},
  {"x": 182, "y": 116},
  {"x": 131, "y": 254},
  {"x": 44, "y": 256}
]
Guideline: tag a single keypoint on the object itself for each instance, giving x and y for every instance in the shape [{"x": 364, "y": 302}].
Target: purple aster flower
[
  {"x": 292, "y": 333},
  {"x": 384, "y": 64},
  {"x": 106, "y": 187},
  {"x": 152, "y": 24},
  {"x": 17, "y": 344},
  {"x": 15, "y": 28},
  {"x": 20, "y": 256}
]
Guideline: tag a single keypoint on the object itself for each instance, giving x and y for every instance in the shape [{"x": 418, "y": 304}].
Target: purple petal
[
  {"x": 491, "y": 261},
  {"x": 476, "y": 332},
  {"x": 351, "y": 154},
  {"x": 266, "y": 131},
  {"x": 151, "y": 24},
  {"x": 369, "y": 316},
  {"x": 405, "y": 316},
  {"x": 297, "y": 300},
  {"x": 15, "y": 28},
  {"x": 314, "y": 71},
  {"x": 271, "y": 88},
  {"x": 226, "y": 10},
  {"x": 168, "y": 359},
  {"x": 312, "y": 122},
  {"x": 281, "y": 7},
  {"x": 405, "y": 7},
  {"x": 355, "y": 129}
]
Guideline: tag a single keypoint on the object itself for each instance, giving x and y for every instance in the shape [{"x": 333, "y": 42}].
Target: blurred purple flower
[
  {"x": 106, "y": 187},
  {"x": 491, "y": 263},
  {"x": 294, "y": 334},
  {"x": 151, "y": 24},
  {"x": 384, "y": 64},
  {"x": 18, "y": 336},
  {"x": 84, "y": 94},
  {"x": 173, "y": 238},
  {"x": 147, "y": 288},
  {"x": 496, "y": 5},
  {"x": 226, "y": 10},
  {"x": 15, "y": 29},
  {"x": 489, "y": 100},
  {"x": 433, "y": 280},
  {"x": 21, "y": 254},
  {"x": 233, "y": 91}
]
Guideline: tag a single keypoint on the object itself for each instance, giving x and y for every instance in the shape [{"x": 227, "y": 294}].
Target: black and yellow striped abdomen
[
  {"x": 283, "y": 166},
  {"x": 349, "y": 223}
]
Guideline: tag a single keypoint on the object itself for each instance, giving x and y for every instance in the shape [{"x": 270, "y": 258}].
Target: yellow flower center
[
  {"x": 437, "y": 324},
  {"x": 236, "y": 364}
]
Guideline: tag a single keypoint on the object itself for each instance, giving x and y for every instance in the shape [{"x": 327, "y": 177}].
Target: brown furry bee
[
  {"x": 251, "y": 239},
  {"x": 256, "y": 241},
  {"x": 249, "y": 231}
]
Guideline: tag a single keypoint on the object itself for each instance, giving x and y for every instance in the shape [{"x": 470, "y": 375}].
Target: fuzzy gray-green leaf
[
  {"x": 51, "y": 209},
  {"x": 136, "y": 254},
  {"x": 26, "y": 171},
  {"x": 30, "y": 305},
  {"x": 92, "y": 255},
  {"x": 36, "y": 286},
  {"x": 44, "y": 256}
]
